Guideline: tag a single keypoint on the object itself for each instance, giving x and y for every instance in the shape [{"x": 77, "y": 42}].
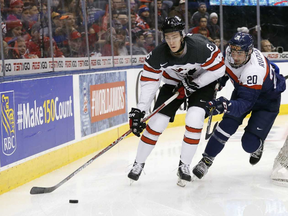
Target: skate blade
[
  {"x": 193, "y": 178},
  {"x": 182, "y": 183},
  {"x": 131, "y": 181}
]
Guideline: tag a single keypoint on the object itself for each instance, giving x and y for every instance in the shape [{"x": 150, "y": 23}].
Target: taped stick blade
[{"x": 41, "y": 190}]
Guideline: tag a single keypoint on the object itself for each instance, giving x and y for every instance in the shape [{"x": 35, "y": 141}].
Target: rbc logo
[{"x": 8, "y": 129}]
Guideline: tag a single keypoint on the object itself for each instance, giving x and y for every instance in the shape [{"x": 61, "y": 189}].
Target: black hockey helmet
[{"x": 172, "y": 24}]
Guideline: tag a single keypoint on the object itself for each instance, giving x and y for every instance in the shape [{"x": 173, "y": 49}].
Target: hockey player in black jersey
[
  {"x": 258, "y": 86},
  {"x": 189, "y": 64}
]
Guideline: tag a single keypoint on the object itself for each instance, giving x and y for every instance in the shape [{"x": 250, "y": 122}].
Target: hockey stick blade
[
  {"x": 43, "y": 190},
  {"x": 208, "y": 135}
]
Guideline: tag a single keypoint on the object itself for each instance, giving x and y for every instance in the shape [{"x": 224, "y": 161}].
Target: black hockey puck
[{"x": 73, "y": 201}]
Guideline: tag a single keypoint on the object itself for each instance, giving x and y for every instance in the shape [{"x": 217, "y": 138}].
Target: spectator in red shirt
[
  {"x": 106, "y": 49},
  {"x": 16, "y": 7},
  {"x": 36, "y": 47},
  {"x": 14, "y": 30},
  {"x": 202, "y": 24},
  {"x": 21, "y": 50},
  {"x": 76, "y": 45}
]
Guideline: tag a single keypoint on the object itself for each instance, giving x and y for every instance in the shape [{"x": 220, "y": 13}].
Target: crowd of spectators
[{"x": 26, "y": 33}]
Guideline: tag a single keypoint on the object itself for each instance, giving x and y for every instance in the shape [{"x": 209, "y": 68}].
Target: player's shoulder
[
  {"x": 162, "y": 47},
  {"x": 199, "y": 45},
  {"x": 257, "y": 64},
  {"x": 158, "y": 55},
  {"x": 196, "y": 39}
]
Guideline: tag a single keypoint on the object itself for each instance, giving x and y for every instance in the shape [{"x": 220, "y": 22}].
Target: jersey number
[
  {"x": 252, "y": 79},
  {"x": 211, "y": 48}
]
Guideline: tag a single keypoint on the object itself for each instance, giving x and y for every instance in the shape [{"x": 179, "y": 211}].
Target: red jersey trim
[
  {"x": 151, "y": 69},
  {"x": 145, "y": 79},
  {"x": 167, "y": 76},
  {"x": 211, "y": 60},
  {"x": 215, "y": 67}
]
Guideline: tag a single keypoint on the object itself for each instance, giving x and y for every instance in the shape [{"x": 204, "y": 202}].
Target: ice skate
[
  {"x": 183, "y": 174},
  {"x": 256, "y": 156},
  {"x": 135, "y": 172},
  {"x": 202, "y": 167}
]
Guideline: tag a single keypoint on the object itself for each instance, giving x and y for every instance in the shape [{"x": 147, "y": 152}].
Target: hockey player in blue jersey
[
  {"x": 258, "y": 86},
  {"x": 190, "y": 62}
]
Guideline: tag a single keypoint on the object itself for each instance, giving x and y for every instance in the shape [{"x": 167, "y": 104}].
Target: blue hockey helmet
[{"x": 240, "y": 42}]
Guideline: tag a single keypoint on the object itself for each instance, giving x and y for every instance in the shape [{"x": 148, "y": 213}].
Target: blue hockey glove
[
  {"x": 219, "y": 105},
  {"x": 135, "y": 123}
]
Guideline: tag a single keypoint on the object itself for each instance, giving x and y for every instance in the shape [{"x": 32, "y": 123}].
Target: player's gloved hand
[
  {"x": 136, "y": 125},
  {"x": 222, "y": 82},
  {"x": 180, "y": 88},
  {"x": 219, "y": 105},
  {"x": 186, "y": 88}
]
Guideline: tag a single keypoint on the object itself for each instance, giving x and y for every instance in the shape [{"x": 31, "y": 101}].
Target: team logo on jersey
[
  {"x": 8, "y": 129},
  {"x": 237, "y": 37},
  {"x": 178, "y": 70}
]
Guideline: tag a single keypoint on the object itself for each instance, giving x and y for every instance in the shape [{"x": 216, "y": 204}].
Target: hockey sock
[
  {"x": 194, "y": 124},
  {"x": 224, "y": 130},
  {"x": 250, "y": 142},
  {"x": 154, "y": 129}
]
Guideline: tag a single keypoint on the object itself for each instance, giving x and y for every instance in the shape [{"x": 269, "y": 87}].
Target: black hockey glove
[
  {"x": 222, "y": 82},
  {"x": 185, "y": 88},
  {"x": 219, "y": 105},
  {"x": 136, "y": 125}
]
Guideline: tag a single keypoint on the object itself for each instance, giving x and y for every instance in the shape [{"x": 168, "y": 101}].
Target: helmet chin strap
[{"x": 181, "y": 47}]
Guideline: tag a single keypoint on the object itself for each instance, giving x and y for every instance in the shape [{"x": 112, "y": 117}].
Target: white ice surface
[{"x": 232, "y": 186}]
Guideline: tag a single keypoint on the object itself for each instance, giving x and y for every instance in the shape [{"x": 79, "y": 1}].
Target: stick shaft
[
  {"x": 208, "y": 134},
  {"x": 40, "y": 190}
]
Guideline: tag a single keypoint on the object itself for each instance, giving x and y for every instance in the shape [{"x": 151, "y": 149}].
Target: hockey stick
[
  {"x": 208, "y": 133},
  {"x": 41, "y": 190}
]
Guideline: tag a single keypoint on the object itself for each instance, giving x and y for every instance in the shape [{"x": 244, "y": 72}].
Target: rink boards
[{"x": 50, "y": 122}]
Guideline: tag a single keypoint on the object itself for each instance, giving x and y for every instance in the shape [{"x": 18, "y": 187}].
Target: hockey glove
[
  {"x": 222, "y": 82},
  {"x": 219, "y": 105},
  {"x": 186, "y": 88},
  {"x": 136, "y": 125}
]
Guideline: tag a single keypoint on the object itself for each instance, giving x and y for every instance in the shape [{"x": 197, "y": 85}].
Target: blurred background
[{"x": 93, "y": 29}]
